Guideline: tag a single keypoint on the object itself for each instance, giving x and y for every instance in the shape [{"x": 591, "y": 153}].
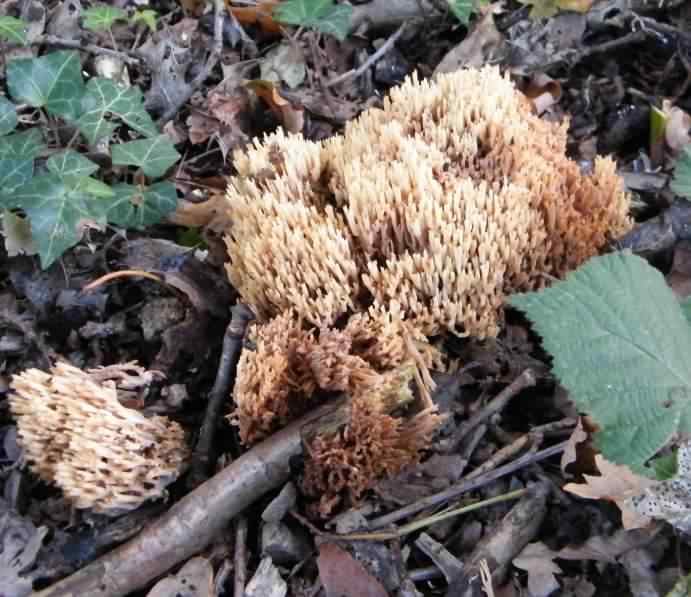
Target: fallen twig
[
  {"x": 356, "y": 72},
  {"x": 500, "y": 547},
  {"x": 193, "y": 522},
  {"x": 463, "y": 486},
  {"x": 524, "y": 380},
  {"x": 203, "y": 454},
  {"x": 53, "y": 40},
  {"x": 205, "y": 71},
  {"x": 240, "y": 557}
]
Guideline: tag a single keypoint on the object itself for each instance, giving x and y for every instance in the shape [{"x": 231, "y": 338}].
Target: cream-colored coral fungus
[
  {"x": 102, "y": 455},
  {"x": 419, "y": 219},
  {"x": 439, "y": 204}
]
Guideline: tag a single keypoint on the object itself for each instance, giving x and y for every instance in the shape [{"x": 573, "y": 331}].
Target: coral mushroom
[
  {"x": 451, "y": 196},
  {"x": 77, "y": 435},
  {"x": 419, "y": 219}
]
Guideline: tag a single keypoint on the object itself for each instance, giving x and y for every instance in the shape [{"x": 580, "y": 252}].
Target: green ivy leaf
[
  {"x": 58, "y": 213},
  {"x": 90, "y": 186},
  {"x": 146, "y": 16},
  {"x": 104, "y": 99},
  {"x": 53, "y": 81},
  {"x": 665, "y": 467},
  {"x": 681, "y": 183},
  {"x": 322, "y": 15},
  {"x": 138, "y": 207},
  {"x": 154, "y": 156},
  {"x": 102, "y": 18},
  {"x": 70, "y": 163},
  {"x": 462, "y": 9},
  {"x": 13, "y": 30},
  {"x": 621, "y": 345},
  {"x": 14, "y": 173},
  {"x": 8, "y": 116},
  {"x": 25, "y": 145}
]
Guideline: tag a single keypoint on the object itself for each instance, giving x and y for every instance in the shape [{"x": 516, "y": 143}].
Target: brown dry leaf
[
  {"x": 343, "y": 576},
  {"x": 291, "y": 115},
  {"x": 193, "y": 8},
  {"x": 196, "y": 215},
  {"x": 226, "y": 106},
  {"x": 195, "y": 579},
  {"x": 536, "y": 560},
  {"x": 260, "y": 14},
  {"x": 483, "y": 45},
  {"x": 201, "y": 127},
  {"x": 543, "y": 91},
  {"x": 578, "y": 436},
  {"x": 617, "y": 483},
  {"x": 608, "y": 548}
]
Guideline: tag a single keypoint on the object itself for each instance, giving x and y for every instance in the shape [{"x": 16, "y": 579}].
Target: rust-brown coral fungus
[
  {"x": 77, "y": 435},
  {"x": 419, "y": 219},
  {"x": 451, "y": 196}
]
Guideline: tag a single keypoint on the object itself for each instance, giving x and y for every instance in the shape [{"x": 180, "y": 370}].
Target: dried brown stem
[
  {"x": 193, "y": 522},
  {"x": 203, "y": 455}
]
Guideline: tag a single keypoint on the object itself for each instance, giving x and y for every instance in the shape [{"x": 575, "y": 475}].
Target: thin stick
[
  {"x": 464, "y": 486},
  {"x": 54, "y": 40},
  {"x": 203, "y": 454},
  {"x": 240, "y": 557},
  {"x": 205, "y": 72},
  {"x": 386, "y": 46},
  {"x": 523, "y": 381},
  {"x": 123, "y": 273}
]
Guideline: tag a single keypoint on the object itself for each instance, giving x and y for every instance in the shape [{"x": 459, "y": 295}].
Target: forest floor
[{"x": 147, "y": 283}]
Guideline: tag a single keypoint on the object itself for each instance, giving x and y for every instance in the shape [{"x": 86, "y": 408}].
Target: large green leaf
[
  {"x": 25, "y": 145},
  {"x": 58, "y": 213},
  {"x": 8, "y": 116},
  {"x": 154, "y": 156},
  {"x": 105, "y": 99},
  {"x": 138, "y": 207},
  {"x": 13, "y": 30},
  {"x": 681, "y": 183},
  {"x": 100, "y": 18},
  {"x": 71, "y": 163},
  {"x": 53, "y": 82},
  {"x": 622, "y": 347},
  {"x": 323, "y": 15}
]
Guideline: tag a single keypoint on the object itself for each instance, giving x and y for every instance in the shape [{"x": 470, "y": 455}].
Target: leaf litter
[{"x": 116, "y": 123}]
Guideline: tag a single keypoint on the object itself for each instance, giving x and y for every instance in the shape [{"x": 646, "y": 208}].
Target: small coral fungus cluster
[
  {"x": 424, "y": 214},
  {"x": 77, "y": 435}
]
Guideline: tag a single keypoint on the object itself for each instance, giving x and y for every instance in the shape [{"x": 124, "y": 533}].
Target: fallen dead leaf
[
  {"x": 536, "y": 560},
  {"x": 260, "y": 14},
  {"x": 679, "y": 277},
  {"x": 578, "y": 436},
  {"x": 616, "y": 483},
  {"x": 344, "y": 576},
  {"x": 484, "y": 44},
  {"x": 669, "y": 500},
  {"x": 292, "y": 116}
]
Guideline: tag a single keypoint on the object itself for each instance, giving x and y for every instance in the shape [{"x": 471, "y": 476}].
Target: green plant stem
[{"x": 430, "y": 520}]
